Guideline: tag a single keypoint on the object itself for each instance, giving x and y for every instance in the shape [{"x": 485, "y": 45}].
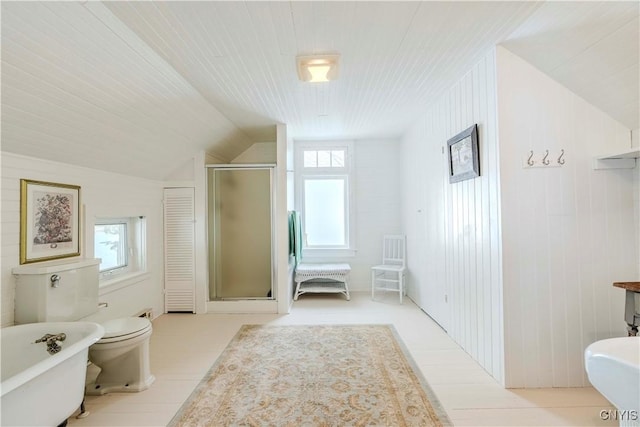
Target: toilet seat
[{"x": 124, "y": 329}]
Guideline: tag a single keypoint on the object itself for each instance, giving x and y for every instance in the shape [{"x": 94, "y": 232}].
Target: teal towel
[
  {"x": 295, "y": 235},
  {"x": 292, "y": 250}
]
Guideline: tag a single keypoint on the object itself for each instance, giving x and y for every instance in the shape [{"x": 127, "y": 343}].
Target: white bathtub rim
[{"x": 96, "y": 332}]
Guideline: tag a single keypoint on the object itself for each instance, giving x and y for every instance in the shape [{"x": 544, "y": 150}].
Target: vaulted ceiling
[{"x": 140, "y": 87}]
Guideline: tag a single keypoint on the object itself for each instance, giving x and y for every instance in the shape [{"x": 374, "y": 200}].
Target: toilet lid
[{"x": 124, "y": 326}]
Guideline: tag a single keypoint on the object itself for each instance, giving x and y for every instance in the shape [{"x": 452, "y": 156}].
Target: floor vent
[{"x": 147, "y": 313}]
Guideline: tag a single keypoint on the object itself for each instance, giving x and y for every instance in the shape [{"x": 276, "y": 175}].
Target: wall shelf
[
  {"x": 630, "y": 286},
  {"x": 626, "y": 159}
]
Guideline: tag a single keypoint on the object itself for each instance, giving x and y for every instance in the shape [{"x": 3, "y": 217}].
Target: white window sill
[
  {"x": 111, "y": 285},
  {"x": 328, "y": 253}
]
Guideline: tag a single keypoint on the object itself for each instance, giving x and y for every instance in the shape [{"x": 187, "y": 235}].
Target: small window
[
  {"x": 310, "y": 159},
  {"x": 119, "y": 243},
  {"x": 111, "y": 246},
  {"x": 323, "y": 159}
]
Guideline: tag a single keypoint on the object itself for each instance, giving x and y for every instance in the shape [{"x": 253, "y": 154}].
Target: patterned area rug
[{"x": 354, "y": 375}]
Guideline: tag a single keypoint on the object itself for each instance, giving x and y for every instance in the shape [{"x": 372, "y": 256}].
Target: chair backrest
[{"x": 394, "y": 248}]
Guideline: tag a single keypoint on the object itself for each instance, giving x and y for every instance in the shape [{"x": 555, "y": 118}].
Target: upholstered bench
[{"x": 332, "y": 278}]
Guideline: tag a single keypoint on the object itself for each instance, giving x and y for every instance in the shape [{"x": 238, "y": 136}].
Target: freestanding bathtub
[{"x": 38, "y": 388}]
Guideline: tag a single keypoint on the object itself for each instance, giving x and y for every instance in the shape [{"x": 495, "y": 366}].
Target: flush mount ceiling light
[{"x": 317, "y": 68}]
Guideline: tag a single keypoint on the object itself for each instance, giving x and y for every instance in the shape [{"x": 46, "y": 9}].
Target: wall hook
[
  {"x": 560, "y": 158},
  {"x": 530, "y": 162},
  {"x": 546, "y": 161}
]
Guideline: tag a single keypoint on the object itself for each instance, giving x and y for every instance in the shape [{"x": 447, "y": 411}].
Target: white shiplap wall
[
  {"x": 636, "y": 192},
  {"x": 636, "y": 203},
  {"x": 568, "y": 232},
  {"x": 453, "y": 229},
  {"x": 102, "y": 194},
  {"x": 419, "y": 159},
  {"x": 377, "y": 203}
]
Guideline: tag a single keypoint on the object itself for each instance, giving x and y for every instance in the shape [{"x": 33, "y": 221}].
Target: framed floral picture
[{"x": 49, "y": 221}]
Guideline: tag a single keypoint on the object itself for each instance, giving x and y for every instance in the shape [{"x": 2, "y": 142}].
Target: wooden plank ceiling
[{"x": 140, "y": 87}]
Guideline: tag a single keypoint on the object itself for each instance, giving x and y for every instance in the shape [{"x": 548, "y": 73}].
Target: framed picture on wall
[
  {"x": 463, "y": 155},
  {"x": 49, "y": 221}
]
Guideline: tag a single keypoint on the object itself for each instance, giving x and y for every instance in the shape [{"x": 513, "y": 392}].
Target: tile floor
[{"x": 184, "y": 346}]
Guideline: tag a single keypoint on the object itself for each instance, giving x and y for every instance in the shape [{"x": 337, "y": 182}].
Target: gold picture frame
[{"x": 49, "y": 221}]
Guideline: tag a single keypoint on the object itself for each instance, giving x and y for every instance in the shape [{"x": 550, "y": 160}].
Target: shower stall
[{"x": 240, "y": 232}]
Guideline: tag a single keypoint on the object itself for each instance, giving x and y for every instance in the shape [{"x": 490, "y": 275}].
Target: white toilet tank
[{"x": 56, "y": 291}]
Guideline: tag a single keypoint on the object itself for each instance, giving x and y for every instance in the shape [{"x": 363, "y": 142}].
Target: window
[
  {"x": 325, "y": 211},
  {"x": 324, "y": 158},
  {"x": 119, "y": 243},
  {"x": 111, "y": 246},
  {"x": 324, "y": 196}
]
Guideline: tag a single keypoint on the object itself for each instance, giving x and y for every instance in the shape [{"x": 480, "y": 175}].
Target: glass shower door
[{"x": 240, "y": 233}]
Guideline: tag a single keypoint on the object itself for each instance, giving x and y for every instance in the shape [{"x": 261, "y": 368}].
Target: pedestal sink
[{"x": 613, "y": 367}]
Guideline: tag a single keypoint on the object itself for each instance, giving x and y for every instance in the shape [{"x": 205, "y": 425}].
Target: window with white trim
[
  {"x": 119, "y": 243},
  {"x": 324, "y": 196}
]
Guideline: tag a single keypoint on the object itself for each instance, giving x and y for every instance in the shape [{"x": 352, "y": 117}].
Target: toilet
[
  {"x": 64, "y": 291},
  {"x": 122, "y": 355}
]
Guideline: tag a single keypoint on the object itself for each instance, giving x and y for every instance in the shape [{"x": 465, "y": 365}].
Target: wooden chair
[{"x": 389, "y": 276}]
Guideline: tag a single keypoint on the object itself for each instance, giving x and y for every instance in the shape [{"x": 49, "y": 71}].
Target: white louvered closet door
[{"x": 179, "y": 250}]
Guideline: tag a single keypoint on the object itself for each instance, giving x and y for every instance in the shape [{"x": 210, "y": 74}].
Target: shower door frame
[{"x": 256, "y": 304}]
